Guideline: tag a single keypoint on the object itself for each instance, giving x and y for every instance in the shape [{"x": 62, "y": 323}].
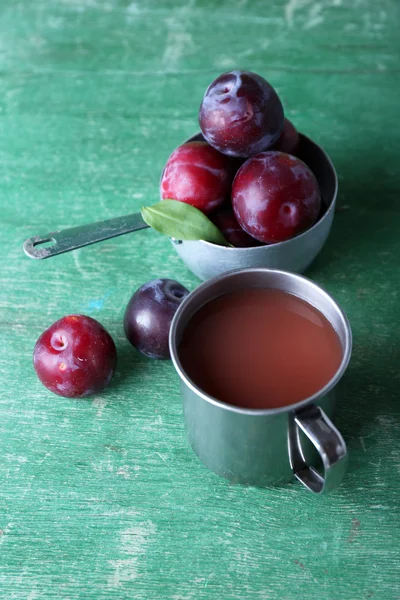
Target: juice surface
[{"x": 259, "y": 348}]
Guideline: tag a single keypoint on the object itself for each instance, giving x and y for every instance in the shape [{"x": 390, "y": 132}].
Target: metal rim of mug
[
  {"x": 267, "y": 411},
  {"x": 305, "y": 233}
]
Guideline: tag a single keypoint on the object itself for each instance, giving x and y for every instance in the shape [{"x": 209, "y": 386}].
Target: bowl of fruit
[
  {"x": 247, "y": 191},
  {"x": 270, "y": 190}
]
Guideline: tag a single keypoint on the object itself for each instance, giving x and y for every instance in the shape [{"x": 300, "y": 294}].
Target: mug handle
[{"x": 329, "y": 443}]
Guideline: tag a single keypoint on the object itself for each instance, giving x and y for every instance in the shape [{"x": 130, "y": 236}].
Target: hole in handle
[
  {"x": 329, "y": 443},
  {"x": 45, "y": 243}
]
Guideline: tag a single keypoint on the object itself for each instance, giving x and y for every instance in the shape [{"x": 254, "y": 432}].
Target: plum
[
  {"x": 197, "y": 174},
  {"x": 289, "y": 139},
  {"x": 227, "y": 223},
  {"x": 241, "y": 114},
  {"x": 275, "y": 196},
  {"x": 75, "y": 357},
  {"x": 149, "y": 313}
]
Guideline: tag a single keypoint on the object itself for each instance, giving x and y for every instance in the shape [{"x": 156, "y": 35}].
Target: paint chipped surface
[{"x": 133, "y": 544}]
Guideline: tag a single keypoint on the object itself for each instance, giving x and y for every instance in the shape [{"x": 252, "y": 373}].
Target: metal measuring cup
[{"x": 205, "y": 259}]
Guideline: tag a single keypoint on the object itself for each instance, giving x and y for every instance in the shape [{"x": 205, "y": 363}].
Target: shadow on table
[
  {"x": 361, "y": 256},
  {"x": 370, "y": 405},
  {"x": 364, "y": 221},
  {"x": 134, "y": 374}
]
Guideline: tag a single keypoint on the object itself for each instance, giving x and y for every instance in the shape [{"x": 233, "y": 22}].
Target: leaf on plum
[{"x": 182, "y": 221}]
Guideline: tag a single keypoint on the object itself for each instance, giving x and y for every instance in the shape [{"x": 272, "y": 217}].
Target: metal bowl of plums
[{"x": 269, "y": 190}]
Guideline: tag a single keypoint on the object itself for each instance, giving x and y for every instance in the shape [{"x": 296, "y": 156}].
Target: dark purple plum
[
  {"x": 241, "y": 114},
  {"x": 149, "y": 313},
  {"x": 75, "y": 357},
  {"x": 289, "y": 139},
  {"x": 275, "y": 196},
  {"x": 227, "y": 223}
]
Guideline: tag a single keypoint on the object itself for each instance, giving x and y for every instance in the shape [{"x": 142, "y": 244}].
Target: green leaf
[{"x": 182, "y": 222}]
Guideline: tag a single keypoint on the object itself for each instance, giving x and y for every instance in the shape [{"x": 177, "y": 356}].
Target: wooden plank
[{"x": 102, "y": 498}]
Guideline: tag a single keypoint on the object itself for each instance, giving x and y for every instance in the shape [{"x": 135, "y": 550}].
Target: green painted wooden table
[{"x": 102, "y": 498}]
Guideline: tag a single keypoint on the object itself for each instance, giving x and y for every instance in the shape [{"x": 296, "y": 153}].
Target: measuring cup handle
[
  {"x": 330, "y": 445},
  {"x": 83, "y": 235}
]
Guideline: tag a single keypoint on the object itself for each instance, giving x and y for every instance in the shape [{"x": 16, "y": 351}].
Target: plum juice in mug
[{"x": 260, "y": 348}]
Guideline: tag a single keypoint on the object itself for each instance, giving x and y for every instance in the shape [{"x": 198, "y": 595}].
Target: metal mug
[{"x": 266, "y": 447}]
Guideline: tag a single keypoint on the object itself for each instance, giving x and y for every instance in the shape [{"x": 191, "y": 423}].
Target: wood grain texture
[{"x": 101, "y": 498}]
